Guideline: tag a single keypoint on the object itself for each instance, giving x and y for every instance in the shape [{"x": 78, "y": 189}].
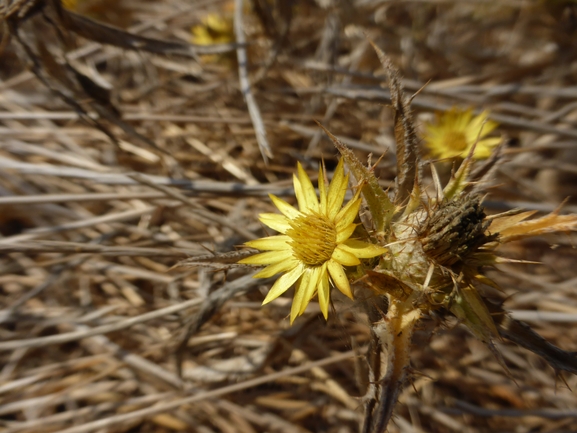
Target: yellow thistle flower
[
  {"x": 314, "y": 243},
  {"x": 454, "y": 133},
  {"x": 214, "y": 29}
]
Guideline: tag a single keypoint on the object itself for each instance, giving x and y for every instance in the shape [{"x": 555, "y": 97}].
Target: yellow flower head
[
  {"x": 314, "y": 243},
  {"x": 454, "y": 133},
  {"x": 214, "y": 29}
]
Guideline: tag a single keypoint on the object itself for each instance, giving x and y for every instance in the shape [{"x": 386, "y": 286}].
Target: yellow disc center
[
  {"x": 314, "y": 239},
  {"x": 456, "y": 141}
]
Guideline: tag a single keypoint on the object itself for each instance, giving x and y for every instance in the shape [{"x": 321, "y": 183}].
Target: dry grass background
[{"x": 91, "y": 315}]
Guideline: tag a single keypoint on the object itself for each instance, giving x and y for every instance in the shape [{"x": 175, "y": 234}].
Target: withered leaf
[
  {"x": 468, "y": 306},
  {"x": 380, "y": 206},
  {"x": 219, "y": 261},
  {"x": 405, "y": 134},
  {"x": 551, "y": 223},
  {"x": 520, "y": 333},
  {"x": 382, "y": 283}
]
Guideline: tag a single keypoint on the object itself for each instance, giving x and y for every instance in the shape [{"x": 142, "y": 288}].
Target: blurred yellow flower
[
  {"x": 214, "y": 29},
  {"x": 70, "y": 4},
  {"x": 454, "y": 132},
  {"x": 314, "y": 243}
]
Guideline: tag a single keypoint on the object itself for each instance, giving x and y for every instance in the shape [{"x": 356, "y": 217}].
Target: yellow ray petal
[
  {"x": 485, "y": 147},
  {"x": 339, "y": 278},
  {"x": 489, "y": 127},
  {"x": 345, "y": 233},
  {"x": 362, "y": 250},
  {"x": 322, "y": 191},
  {"x": 308, "y": 197},
  {"x": 462, "y": 120},
  {"x": 270, "y": 243},
  {"x": 323, "y": 290},
  {"x": 337, "y": 191},
  {"x": 348, "y": 214},
  {"x": 286, "y": 209},
  {"x": 275, "y": 221},
  {"x": 311, "y": 290},
  {"x": 475, "y": 128},
  {"x": 299, "y": 294},
  {"x": 269, "y": 258},
  {"x": 299, "y": 194},
  {"x": 344, "y": 257},
  {"x": 295, "y": 306},
  {"x": 264, "y": 259},
  {"x": 283, "y": 284},
  {"x": 304, "y": 292},
  {"x": 283, "y": 265}
]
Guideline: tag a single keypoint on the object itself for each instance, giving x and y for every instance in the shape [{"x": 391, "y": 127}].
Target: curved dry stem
[{"x": 388, "y": 362}]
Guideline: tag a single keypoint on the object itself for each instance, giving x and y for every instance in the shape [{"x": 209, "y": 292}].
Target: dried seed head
[{"x": 454, "y": 230}]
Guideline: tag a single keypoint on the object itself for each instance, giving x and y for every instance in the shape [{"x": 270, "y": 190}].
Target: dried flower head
[
  {"x": 315, "y": 243},
  {"x": 455, "y": 132}
]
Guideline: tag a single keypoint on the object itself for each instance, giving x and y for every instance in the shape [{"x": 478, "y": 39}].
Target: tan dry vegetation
[{"x": 92, "y": 316}]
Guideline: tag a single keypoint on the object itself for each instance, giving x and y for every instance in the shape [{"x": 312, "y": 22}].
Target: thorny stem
[{"x": 391, "y": 342}]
